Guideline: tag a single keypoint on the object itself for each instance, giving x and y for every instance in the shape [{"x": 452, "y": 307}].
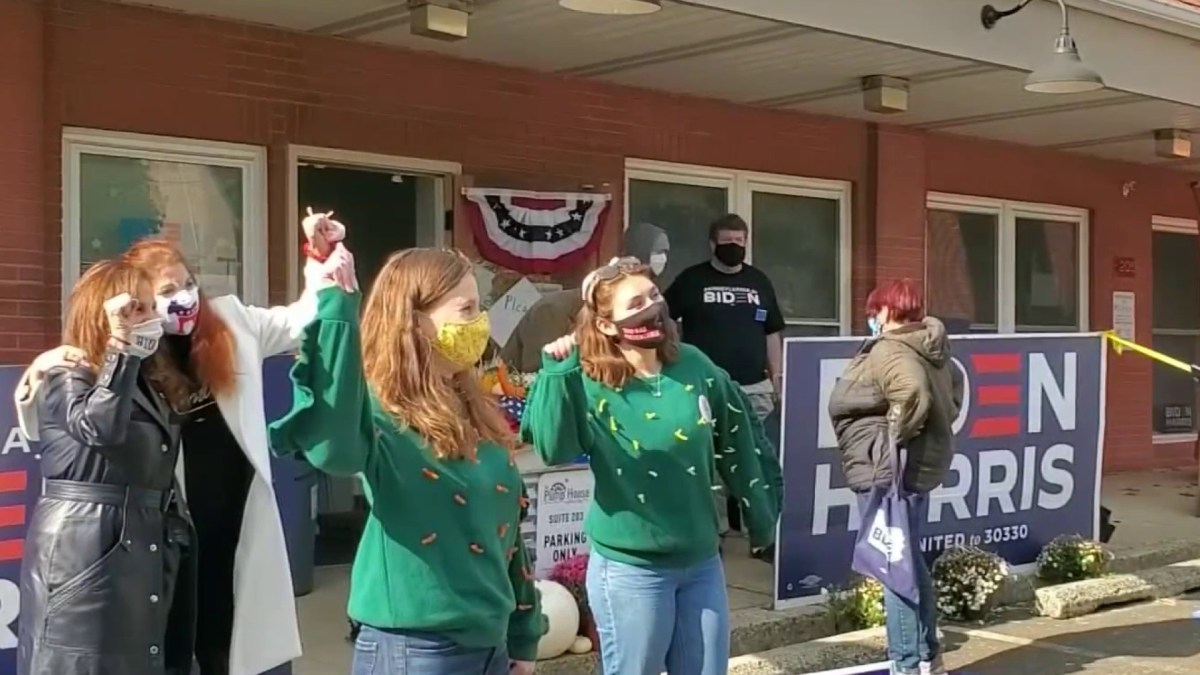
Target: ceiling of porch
[{"x": 693, "y": 50}]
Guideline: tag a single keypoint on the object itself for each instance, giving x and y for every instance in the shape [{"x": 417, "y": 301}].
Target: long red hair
[
  {"x": 210, "y": 361},
  {"x": 453, "y": 415}
]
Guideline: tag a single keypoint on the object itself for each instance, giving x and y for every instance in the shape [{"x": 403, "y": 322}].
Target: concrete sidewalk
[
  {"x": 1158, "y": 638},
  {"x": 1148, "y": 507}
]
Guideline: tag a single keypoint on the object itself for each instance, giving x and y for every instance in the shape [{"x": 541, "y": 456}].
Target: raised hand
[
  {"x": 562, "y": 347},
  {"x": 133, "y": 324},
  {"x": 322, "y": 233},
  {"x": 118, "y": 310},
  {"x": 340, "y": 268},
  {"x": 329, "y": 262}
]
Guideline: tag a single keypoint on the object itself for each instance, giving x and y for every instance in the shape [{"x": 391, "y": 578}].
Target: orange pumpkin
[{"x": 506, "y": 384}]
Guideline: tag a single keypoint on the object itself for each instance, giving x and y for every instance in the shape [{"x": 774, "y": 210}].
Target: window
[
  {"x": 207, "y": 197},
  {"x": 1176, "y": 324},
  {"x": 963, "y": 251},
  {"x": 799, "y": 232},
  {"x": 996, "y": 266}
]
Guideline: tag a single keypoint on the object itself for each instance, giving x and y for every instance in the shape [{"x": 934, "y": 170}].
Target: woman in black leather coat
[{"x": 107, "y": 585}]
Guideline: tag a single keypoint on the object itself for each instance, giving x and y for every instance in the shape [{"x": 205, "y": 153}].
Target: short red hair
[{"x": 902, "y": 299}]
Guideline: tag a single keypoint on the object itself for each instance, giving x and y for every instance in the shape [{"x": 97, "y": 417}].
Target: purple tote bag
[{"x": 884, "y": 549}]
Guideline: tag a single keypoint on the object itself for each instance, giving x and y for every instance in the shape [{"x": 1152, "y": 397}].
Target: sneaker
[{"x": 935, "y": 667}]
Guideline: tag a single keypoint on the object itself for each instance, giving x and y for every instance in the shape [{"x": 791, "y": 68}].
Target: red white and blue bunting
[{"x": 536, "y": 232}]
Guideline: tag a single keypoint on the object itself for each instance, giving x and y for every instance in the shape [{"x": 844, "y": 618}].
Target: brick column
[
  {"x": 899, "y": 203},
  {"x": 888, "y": 231},
  {"x": 26, "y": 267}
]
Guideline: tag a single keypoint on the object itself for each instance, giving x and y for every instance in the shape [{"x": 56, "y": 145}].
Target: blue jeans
[
  {"x": 912, "y": 628},
  {"x": 378, "y": 652},
  {"x": 652, "y": 619}
]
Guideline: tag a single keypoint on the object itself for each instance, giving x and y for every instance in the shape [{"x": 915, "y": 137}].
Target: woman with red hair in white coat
[{"x": 207, "y": 372}]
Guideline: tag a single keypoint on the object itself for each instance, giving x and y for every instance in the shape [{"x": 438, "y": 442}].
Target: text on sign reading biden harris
[{"x": 1028, "y": 444}]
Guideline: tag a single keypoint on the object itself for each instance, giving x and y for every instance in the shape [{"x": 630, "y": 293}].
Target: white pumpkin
[
  {"x": 562, "y": 615},
  {"x": 581, "y": 645}
]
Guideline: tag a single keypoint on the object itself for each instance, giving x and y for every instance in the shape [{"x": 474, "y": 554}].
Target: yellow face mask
[{"x": 462, "y": 343}]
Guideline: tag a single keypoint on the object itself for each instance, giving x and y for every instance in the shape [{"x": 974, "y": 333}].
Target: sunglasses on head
[{"x": 615, "y": 268}]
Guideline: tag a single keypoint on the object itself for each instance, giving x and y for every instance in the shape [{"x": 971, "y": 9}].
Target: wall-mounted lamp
[
  {"x": 613, "y": 7},
  {"x": 445, "y": 20},
  {"x": 1173, "y": 143},
  {"x": 883, "y": 94},
  {"x": 1065, "y": 72}
]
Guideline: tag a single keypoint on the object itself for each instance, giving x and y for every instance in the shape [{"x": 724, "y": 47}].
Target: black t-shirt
[{"x": 728, "y": 317}]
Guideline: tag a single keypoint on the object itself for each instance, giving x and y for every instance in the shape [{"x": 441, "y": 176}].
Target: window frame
[
  {"x": 448, "y": 177},
  {"x": 1172, "y": 225},
  {"x": 740, "y": 187},
  {"x": 1007, "y": 213},
  {"x": 250, "y": 159}
]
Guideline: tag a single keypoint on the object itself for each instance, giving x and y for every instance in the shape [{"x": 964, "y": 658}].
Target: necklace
[{"x": 657, "y": 393}]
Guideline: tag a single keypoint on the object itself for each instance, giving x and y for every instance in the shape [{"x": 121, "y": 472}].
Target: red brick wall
[
  {"x": 28, "y": 308},
  {"x": 134, "y": 69},
  {"x": 90, "y": 64},
  {"x": 1120, "y": 226}
]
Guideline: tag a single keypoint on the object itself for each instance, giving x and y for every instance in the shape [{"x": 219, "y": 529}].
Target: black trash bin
[
  {"x": 295, "y": 481},
  {"x": 296, "y": 492}
]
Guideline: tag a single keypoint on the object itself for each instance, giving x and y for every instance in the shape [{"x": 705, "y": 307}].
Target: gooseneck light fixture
[
  {"x": 613, "y": 7},
  {"x": 1065, "y": 72}
]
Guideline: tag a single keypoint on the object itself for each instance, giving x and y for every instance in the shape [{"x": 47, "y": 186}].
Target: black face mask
[
  {"x": 730, "y": 255},
  {"x": 645, "y": 328}
]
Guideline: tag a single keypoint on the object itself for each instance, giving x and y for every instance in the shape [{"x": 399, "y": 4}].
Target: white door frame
[{"x": 432, "y": 168}]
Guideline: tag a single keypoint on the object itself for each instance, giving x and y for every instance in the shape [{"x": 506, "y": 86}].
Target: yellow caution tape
[{"x": 1120, "y": 344}]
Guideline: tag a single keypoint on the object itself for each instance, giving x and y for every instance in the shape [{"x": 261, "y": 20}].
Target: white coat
[{"x": 265, "y": 631}]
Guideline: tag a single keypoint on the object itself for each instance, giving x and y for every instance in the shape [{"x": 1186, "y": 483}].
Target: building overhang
[
  {"x": 816, "y": 57},
  {"x": 1133, "y": 57}
]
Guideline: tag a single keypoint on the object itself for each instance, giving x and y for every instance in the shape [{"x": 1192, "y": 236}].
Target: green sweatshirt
[
  {"x": 656, "y": 446},
  {"x": 442, "y": 549}
]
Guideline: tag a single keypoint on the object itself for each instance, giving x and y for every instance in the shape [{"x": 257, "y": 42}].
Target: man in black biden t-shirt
[{"x": 728, "y": 310}]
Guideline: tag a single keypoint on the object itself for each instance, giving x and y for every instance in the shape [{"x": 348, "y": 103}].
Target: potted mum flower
[
  {"x": 572, "y": 574},
  {"x": 968, "y": 581},
  {"x": 1071, "y": 557}
]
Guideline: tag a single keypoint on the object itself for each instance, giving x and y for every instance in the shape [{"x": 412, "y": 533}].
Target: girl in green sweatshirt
[
  {"x": 441, "y": 582},
  {"x": 660, "y": 421}
]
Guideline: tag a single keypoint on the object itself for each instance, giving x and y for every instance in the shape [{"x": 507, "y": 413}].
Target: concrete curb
[
  {"x": 1023, "y": 588},
  {"x": 1067, "y": 601},
  {"x": 764, "y": 641},
  {"x": 830, "y": 653},
  {"x": 752, "y": 630}
]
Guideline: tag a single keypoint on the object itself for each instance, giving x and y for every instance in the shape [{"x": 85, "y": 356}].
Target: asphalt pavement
[{"x": 1159, "y": 638}]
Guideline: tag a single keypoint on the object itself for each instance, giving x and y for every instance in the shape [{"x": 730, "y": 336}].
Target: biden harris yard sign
[
  {"x": 1028, "y": 441},
  {"x": 21, "y": 484}
]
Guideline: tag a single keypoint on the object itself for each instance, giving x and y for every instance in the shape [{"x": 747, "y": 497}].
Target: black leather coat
[{"x": 108, "y": 582}]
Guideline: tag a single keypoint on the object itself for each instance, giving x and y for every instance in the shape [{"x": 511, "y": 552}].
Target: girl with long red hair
[
  {"x": 441, "y": 583},
  {"x": 207, "y": 373}
]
